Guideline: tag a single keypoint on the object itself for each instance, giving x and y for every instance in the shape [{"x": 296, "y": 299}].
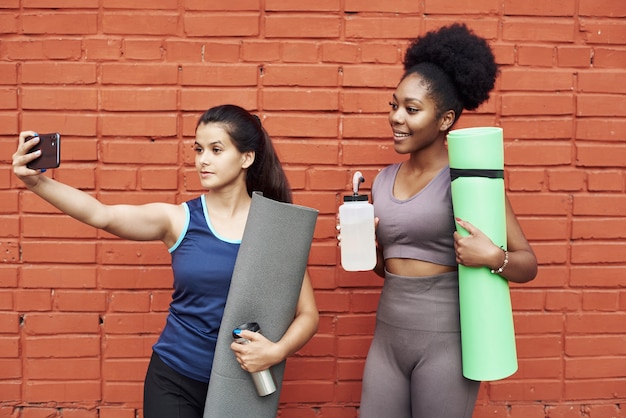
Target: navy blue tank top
[{"x": 203, "y": 264}]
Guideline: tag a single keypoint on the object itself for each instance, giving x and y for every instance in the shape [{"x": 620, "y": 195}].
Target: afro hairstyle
[{"x": 465, "y": 59}]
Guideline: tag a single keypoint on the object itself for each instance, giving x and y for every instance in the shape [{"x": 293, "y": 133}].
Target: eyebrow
[
  {"x": 408, "y": 99},
  {"x": 216, "y": 142}
]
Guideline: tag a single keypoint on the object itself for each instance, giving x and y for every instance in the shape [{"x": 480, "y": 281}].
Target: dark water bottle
[{"x": 264, "y": 380}]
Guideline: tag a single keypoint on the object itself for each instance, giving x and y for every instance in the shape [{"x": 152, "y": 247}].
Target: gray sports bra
[{"x": 420, "y": 227}]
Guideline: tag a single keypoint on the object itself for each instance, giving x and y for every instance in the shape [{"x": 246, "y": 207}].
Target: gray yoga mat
[{"x": 265, "y": 287}]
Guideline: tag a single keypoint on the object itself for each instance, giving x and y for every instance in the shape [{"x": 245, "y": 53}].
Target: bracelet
[{"x": 504, "y": 263}]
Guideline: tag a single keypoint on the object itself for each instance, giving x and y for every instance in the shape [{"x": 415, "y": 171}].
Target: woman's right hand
[{"x": 22, "y": 157}]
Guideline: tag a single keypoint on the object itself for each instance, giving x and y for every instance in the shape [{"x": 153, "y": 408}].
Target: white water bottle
[{"x": 356, "y": 225}]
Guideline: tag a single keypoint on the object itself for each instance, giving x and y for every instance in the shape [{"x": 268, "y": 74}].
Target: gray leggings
[{"x": 413, "y": 367}]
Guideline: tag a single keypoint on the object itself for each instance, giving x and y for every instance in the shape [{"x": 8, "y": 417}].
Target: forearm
[
  {"x": 69, "y": 200},
  {"x": 301, "y": 330},
  {"x": 520, "y": 268}
]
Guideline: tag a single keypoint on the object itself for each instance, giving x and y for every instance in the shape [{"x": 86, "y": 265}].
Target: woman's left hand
[
  {"x": 476, "y": 249},
  {"x": 258, "y": 354}
]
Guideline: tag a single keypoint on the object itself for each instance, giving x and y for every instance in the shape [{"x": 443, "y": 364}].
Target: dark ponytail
[{"x": 266, "y": 174}]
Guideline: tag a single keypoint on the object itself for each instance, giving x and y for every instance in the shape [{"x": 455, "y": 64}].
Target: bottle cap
[
  {"x": 250, "y": 326},
  {"x": 357, "y": 198}
]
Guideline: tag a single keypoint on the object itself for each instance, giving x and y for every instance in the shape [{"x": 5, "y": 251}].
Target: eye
[
  {"x": 216, "y": 150},
  {"x": 197, "y": 149},
  {"x": 412, "y": 110},
  {"x": 394, "y": 106}
]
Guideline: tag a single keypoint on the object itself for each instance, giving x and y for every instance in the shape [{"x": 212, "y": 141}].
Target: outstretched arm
[{"x": 146, "y": 222}]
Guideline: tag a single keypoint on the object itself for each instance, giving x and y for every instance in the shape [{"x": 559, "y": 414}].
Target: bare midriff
[{"x": 415, "y": 268}]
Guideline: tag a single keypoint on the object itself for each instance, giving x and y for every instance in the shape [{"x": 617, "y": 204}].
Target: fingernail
[{"x": 43, "y": 170}]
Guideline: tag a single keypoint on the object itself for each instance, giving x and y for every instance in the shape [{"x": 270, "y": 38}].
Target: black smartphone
[{"x": 50, "y": 146}]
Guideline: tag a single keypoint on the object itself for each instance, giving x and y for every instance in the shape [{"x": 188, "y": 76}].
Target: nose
[{"x": 396, "y": 117}]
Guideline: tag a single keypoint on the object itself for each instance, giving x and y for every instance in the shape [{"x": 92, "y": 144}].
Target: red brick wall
[{"x": 124, "y": 82}]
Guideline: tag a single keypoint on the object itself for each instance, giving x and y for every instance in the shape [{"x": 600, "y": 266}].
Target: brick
[
  {"x": 565, "y": 8},
  {"x": 63, "y": 346},
  {"x": 607, "y": 8},
  {"x": 56, "y": 98},
  {"x": 222, "y": 6},
  {"x": 529, "y": 30},
  {"x": 52, "y": 391},
  {"x": 600, "y": 155},
  {"x": 566, "y": 180},
  {"x": 534, "y": 104},
  {"x": 340, "y": 52},
  {"x": 136, "y": 74},
  {"x": 300, "y": 52},
  {"x": 62, "y": 49},
  {"x": 61, "y": 323},
  {"x": 260, "y": 51},
  {"x": 380, "y": 53},
  {"x": 219, "y": 75},
  {"x": 58, "y": 73},
  {"x": 381, "y": 27},
  {"x": 605, "y": 181},
  {"x": 120, "y": 23},
  {"x": 102, "y": 49},
  {"x": 392, "y": 6},
  {"x": 458, "y": 6},
  {"x": 141, "y": 4},
  {"x": 67, "y": 252},
  {"x": 608, "y": 57},
  {"x": 602, "y": 228},
  {"x": 602, "y": 32},
  {"x": 367, "y": 75},
  {"x": 221, "y": 25},
  {"x": 301, "y": 75},
  {"x": 60, "y": 4},
  {"x": 80, "y": 301},
  {"x": 139, "y": 99},
  {"x": 304, "y": 126},
  {"x": 528, "y": 153},
  {"x": 64, "y": 277},
  {"x": 536, "y": 80},
  {"x": 143, "y": 49},
  {"x": 600, "y": 105},
  {"x": 300, "y": 99},
  {"x": 574, "y": 56},
  {"x": 63, "y": 369},
  {"x": 153, "y": 125},
  {"x": 586, "y": 346},
  {"x": 286, "y": 5},
  {"x": 65, "y": 23},
  {"x": 287, "y": 26},
  {"x": 129, "y": 302},
  {"x": 602, "y": 129},
  {"x": 68, "y": 123}
]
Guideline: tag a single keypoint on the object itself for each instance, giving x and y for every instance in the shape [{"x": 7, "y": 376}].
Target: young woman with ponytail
[{"x": 234, "y": 157}]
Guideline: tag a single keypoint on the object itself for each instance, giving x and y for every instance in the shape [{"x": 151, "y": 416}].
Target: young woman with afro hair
[{"x": 413, "y": 367}]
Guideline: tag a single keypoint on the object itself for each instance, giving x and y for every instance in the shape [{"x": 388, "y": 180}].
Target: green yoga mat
[
  {"x": 487, "y": 333},
  {"x": 265, "y": 288}
]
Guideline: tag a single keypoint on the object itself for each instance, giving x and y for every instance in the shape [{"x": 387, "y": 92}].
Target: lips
[{"x": 400, "y": 135}]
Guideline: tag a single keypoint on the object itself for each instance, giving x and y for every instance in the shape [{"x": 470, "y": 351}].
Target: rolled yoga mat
[
  {"x": 487, "y": 334},
  {"x": 265, "y": 288}
]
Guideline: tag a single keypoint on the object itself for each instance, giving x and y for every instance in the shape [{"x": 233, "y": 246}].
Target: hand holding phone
[{"x": 50, "y": 146}]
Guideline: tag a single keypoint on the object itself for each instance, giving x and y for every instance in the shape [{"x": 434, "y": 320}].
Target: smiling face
[
  {"x": 414, "y": 117},
  {"x": 218, "y": 162}
]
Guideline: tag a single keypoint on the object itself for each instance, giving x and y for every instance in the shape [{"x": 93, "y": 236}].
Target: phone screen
[{"x": 50, "y": 146}]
